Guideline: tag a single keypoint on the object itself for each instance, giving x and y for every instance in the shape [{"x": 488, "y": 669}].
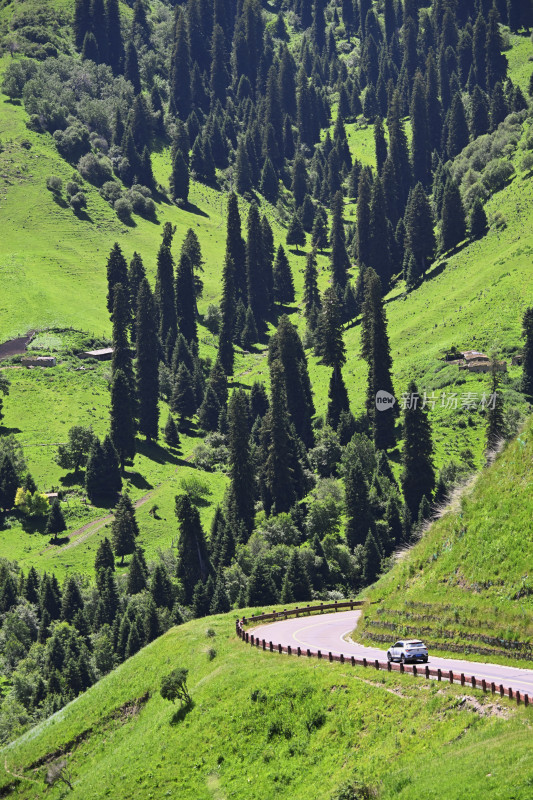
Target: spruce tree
[
  {"x": 281, "y": 477},
  {"x": 419, "y": 229},
  {"x": 319, "y": 233},
  {"x": 114, "y": 36},
  {"x": 164, "y": 294},
  {"x": 124, "y": 528},
  {"x": 147, "y": 364},
  {"x": 99, "y": 29},
  {"x": 249, "y": 334},
  {"x": 180, "y": 71},
  {"x": 296, "y": 584},
  {"x": 283, "y": 282},
  {"x": 311, "y": 297},
  {"x": 418, "y": 476},
  {"x": 104, "y": 558},
  {"x": 478, "y": 225},
  {"x": 242, "y": 490},
  {"x": 136, "y": 578},
  {"x": 380, "y": 143},
  {"x": 131, "y": 67},
  {"x": 82, "y": 21},
  {"x": 300, "y": 180},
  {"x": 260, "y": 588},
  {"x": 340, "y": 262},
  {"x": 56, "y": 521},
  {"x": 9, "y": 482},
  {"x": 420, "y": 146},
  {"x": 236, "y": 248},
  {"x": 136, "y": 273},
  {"x": 227, "y": 313},
  {"x": 122, "y": 426},
  {"x": 379, "y": 255},
  {"x": 332, "y": 347},
  {"x": 179, "y": 178},
  {"x": 296, "y": 232},
  {"x": 479, "y": 113},
  {"x": 117, "y": 272},
  {"x": 121, "y": 319},
  {"x": 71, "y": 601},
  {"x": 193, "y": 559},
  {"x": 338, "y": 402},
  {"x": 371, "y": 560},
  {"x": 376, "y": 352},
  {"x": 269, "y": 184},
  {"x": 498, "y": 107},
  {"x": 458, "y": 133},
  {"x": 185, "y": 298},
  {"x": 171, "y": 433},
  {"x": 209, "y": 411},
  {"x": 102, "y": 476},
  {"x": 363, "y": 232},
  {"x": 220, "y": 603},
  {"x": 243, "y": 172},
  {"x": 357, "y": 503},
  {"x": 287, "y": 347},
  {"x": 495, "y": 60},
  {"x": 183, "y": 401},
  {"x": 453, "y": 228},
  {"x": 256, "y": 262}
]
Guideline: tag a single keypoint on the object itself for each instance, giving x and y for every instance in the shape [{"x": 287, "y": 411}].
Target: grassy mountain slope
[
  {"x": 265, "y": 726},
  {"x": 52, "y": 267},
  {"x": 467, "y": 583}
]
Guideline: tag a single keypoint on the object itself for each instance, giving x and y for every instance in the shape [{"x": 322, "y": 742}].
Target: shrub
[
  {"x": 111, "y": 191},
  {"x": 78, "y": 201},
  {"x": 497, "y": 174},
  {"x": 54, "y": 184},
  {"x": 527, "y": 162},
  {"x": 73, "y": 142},
  {"x": 95, "y": 169},
  {"x": 124, "y": 209},
  {"x": 196, "y": 489},
  {"x": 212, "y": 318}
]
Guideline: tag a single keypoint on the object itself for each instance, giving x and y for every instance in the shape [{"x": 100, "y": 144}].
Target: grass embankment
[
  {"x": 467, "y": 584},
  {"x": 264, "y": 725}
]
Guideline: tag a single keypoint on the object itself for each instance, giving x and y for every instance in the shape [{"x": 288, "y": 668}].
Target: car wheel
[
  {"x": 425, "y": 661},
  {"x": 402, "y": 659},
  {"x": 389, "y": 657}
]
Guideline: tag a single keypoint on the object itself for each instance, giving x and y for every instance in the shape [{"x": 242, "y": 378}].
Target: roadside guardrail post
[
  {"x": 517, "y": 698},
  {"x": 415, "y": 671},
  {"x": 308, "y": 653},
  {"x": 526, "y": 700},
  {"x": 463, "y": 679},
  {"x": 484, "y": 684},
  {"x": 376, "y": 663},
  {"x": 289, "y": 650},
  {"x": 299, "y": 652},
  {"x": 426, "y": 671},
  {"x": 319, "y": 654},
  {"x": 451, "y": 676},
  {"x": 493, "y": 687},
  {"x": 353, "y": 661},
  {"x": 389, "y": 666},
  {"x": 330, "y": 656},
  {"x": 473, "y": 679},
  {"x": 271, "y": 646},
  {"x": 439, "y": 674},
  {"x": 502, "y": 690}
]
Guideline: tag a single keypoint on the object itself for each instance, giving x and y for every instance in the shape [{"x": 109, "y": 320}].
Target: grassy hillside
[
  {"x": 467, "y": 584},
  {"x": 264, "y": 726}
]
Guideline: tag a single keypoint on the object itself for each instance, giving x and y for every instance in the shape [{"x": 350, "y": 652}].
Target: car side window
[{"x": 398, "y": 644}]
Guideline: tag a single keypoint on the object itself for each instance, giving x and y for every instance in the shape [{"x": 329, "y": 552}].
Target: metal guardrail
[{"x": 425, "y": 672}]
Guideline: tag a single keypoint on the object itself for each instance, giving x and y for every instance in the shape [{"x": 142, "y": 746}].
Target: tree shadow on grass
[
  {"x": 181, "y": 713},
  {"x": 138, "y": 480},
  {"x": 83, "y": 216},
  {"x": 59, "y": 541},
  {"x": 59, "y": 200},
  {"x": 73, "y": 479},
  {"x": 156, "y": 453},
  {"x": 191, "y": 208},
  {"x": 33, "y": 524},
  {"x": 8, "y": 431}
]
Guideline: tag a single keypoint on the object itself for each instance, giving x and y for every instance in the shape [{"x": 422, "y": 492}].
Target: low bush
[
  {"x": 96, "y": 169},
  {"x": 54, "y": 184},
  {"x": 124, "y": 209}
]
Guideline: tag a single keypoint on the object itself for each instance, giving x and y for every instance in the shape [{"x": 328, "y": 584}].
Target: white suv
[{"x": 408, "y": 650}]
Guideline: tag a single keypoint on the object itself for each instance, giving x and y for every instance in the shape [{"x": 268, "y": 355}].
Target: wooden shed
[{"x": 105, "y": 354}]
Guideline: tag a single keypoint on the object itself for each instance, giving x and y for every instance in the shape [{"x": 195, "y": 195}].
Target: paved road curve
[{"x": 326, "y": 633}]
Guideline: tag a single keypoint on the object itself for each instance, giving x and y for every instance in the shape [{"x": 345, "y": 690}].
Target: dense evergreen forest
[{"x": 256, "y": 104}]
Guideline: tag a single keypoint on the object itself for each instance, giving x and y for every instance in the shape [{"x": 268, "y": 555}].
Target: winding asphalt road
[{"x": 327, "y": 633}]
